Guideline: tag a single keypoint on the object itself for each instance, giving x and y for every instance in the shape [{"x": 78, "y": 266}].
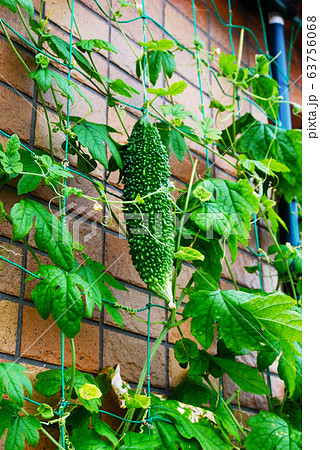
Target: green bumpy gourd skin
[{"x": 150, "y": 230}]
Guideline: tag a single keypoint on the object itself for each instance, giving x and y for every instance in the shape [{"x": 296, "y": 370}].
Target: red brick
[
  {"x": 118, "y": 261},
  {"x": 131, "y": 354},
  {"x": 10, "y": 276},
  {"x": 8, "y": 327},
  {"x": 16, "y": 113},
  {"x": 13, "y": 71},
  {"x": 125, "y": 57},
  {"x": 90, "y": 25},
  {"x": 8, "y": 198},
  {"x": 137, "y": 299},
  {"x": 40, "y": 340}
]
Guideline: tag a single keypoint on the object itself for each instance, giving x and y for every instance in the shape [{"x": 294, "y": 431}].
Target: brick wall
[{"x": 23, "y": 334}]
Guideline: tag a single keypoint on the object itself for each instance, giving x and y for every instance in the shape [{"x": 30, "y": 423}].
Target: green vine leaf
[
  {"x": 10, "y": 160},
  {"x": 19, "y": 428},
  {"x": 10, "y": 4},
  {"x": 188, "y": 254},
  {"x": 184, "y": 350},
  {"x": 290, "y": 367},
  {"x": 175, "y": 89},
  {"x": 230, "y": 212},
  {"x": 28, "y": 6},
  {"x": 136, "y": 441},
  {"x": 270, "y": 431},
  {"x": 162, "y": 45},
  {"x": 267, "y": 88},
  {"x": 208, "y": 304},
  {"x": 178, "y": 144},
  {"x": 274, "y": 313},
  {"x": 98, "y": 281},
  {"x": 14, "y": 380},
  {"x": 28, "y": 183},
  {"x": 178, "y": 428},
  {"x": 246, "y": 377},
  {"x": 50, "y": 234},
  {"x": 86, "y": 439},
  {"x": 192, "y": 392},
  {"x": 89, "y": 45},
  {"x": 93, "y": 135},
  {"x": 158, "y": 60},
  {"x": 59, "y": 293},
  {"x": 103, "y": 429},
  {"x": 227, "y": 64}
]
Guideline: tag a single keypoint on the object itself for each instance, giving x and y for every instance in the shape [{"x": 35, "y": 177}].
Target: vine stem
[
  {"x": 228, "y": 265},
  {"x": 143, "y": 374},
  {"x": 51, "y": 438},
  {"x": 26, "y": 26},
  {"x": 73, "y": 369},
  {"x": 44, "y": 431},
  {"x": 174, "y": 282},
  {"x": 280, "y": 253},
  {"x": 239, "y": 426},
  {"x": 114, "y": 17}
]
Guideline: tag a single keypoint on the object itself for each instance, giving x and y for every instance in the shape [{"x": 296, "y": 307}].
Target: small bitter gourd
[{"x": 149, "y": 219}]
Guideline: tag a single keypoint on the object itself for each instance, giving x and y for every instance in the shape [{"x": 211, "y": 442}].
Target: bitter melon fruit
[{"x": 147, "y": 207}]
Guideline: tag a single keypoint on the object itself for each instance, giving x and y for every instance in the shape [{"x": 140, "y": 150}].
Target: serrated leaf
[
  {"x": 103, "y": 429},
  {"x": 10, "y": 159},
  {"x": 93, "y": 136},
  {"x": 28, "y": 183},
  {"x": 274, "y": 314},
  {"x": 19, "y": 428},
  {"x": 209, "y": 215},
  {"x": 272, "y": 432},
  {"x": 98, "y": 44},
  {"x": 188, "y": 254},
  {"x": 246, "y": 377},
  {"x": 49, "y": 382},
  {"x": 238, "y": 328},
  {"x": 10, "y": 4},
  {"x": 158, "y": 60},
  {"x": 262, "y": 65},
  {"x": 43, "y": 77},
  {"x": 237, "y": 201},
  {"x": 185, "y": 349},
  {"x": 135, "y": 441},
  {"x": 163, "y": 44},
  {"x": 14, "y": 380},
  {"x": 95, "y": 276},
  {"x": 50, "y": 234},
  {"x": 59, "y": 293},
  {"x": 122, "y": 88},
  {"x": 224, "y": 420},
  {"x": 27, "y": 5},
  {"x": 178, "y": 144},
  {"x": 181, "y": 429},
  {"x": 266, "y": 88},
  {"x": 227, "y": 64},
  {"x": 64, "y": 85},
  {"x": 88, "y": 439}
]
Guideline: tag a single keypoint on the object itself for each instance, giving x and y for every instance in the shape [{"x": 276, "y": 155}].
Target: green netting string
[
  {"x": 208, "y": 162},
  {"x": 65, "y": 163},
  {"x": 262, "y": 290},
  {"x": 20, "y": 267}
]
